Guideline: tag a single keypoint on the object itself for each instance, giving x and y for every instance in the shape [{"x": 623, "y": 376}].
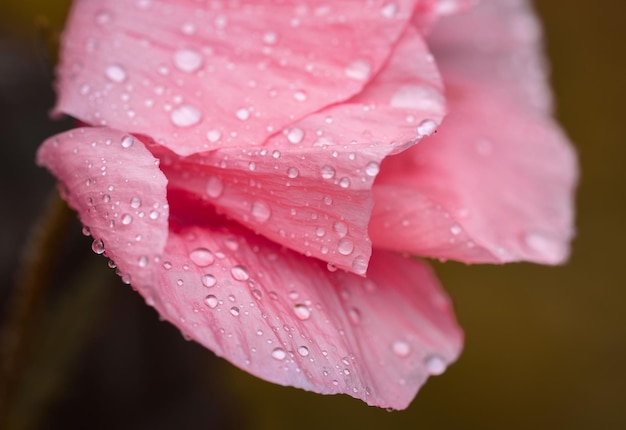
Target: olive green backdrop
[{"x": 545, "y": 347}]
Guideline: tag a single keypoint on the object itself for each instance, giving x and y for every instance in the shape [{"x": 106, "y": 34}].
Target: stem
[{"x": 34, "y": 272}]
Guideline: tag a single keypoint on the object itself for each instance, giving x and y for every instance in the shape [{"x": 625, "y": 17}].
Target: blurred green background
[{"x": 545, "y": 347}]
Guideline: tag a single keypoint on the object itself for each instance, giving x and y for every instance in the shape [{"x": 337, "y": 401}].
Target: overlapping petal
[
  {"x": 199, "y": 76},
  {"x": 277, "y": 314},
  {"x": 495, "y": 184}
]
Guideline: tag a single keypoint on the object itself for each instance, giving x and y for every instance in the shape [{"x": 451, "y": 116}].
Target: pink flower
[{"x": 230, "y": 172}]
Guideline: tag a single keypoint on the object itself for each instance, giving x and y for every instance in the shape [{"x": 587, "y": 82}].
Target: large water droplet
[
  {"x": 211, "y": 301},
  {"x": 202, "y": 257},
  {"x": 213, "y": 135},
  {"x": 358, "y": 70},
  {"x": 135, "y": 202},
  {"x": 214, "y": 187},
  {"x": 261, "y": 211},
  {"x": 97, "y": 246},
  {"x": 188, "y": 60},
  {"x": 295, "y": 135},
  {"x": 302, "y": 311},
  {"x": 401, "y": 348},
  {"x": 426, "y": 127},
  {"x": 234, "y": 311},
  {"x": 435, "y": 364},
  {"x": 328, "y": 172},
  {"x": 372, "y": 169},
  {"x": 340, "y": 228},
  {"x": 186, "y": 116},
  {"x": 208, "y": 280},
  {"x": 239, "y": 273},
  {"x": 243, "y": 114},
  {"x": 279, "y": 353},
  {"x": 127, "y": 141},
  {"x": 303, "y": 351},
  {"x": 292, "y": 172},
  {"x": 345, "y": 246},
  {"x": 127, "y": 219},
  {"x": 116, "y": 73}
]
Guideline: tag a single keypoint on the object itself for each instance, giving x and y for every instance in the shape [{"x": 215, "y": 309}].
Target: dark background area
[{"x": 545, "y": 347}]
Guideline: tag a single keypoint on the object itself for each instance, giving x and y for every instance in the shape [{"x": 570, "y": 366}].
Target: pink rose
[{"x": 245, "y": 157}]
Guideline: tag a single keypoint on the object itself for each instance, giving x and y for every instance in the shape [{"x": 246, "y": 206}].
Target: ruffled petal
[
  {"x": 309, "y": 188},
  {"x": 287, "y": 319},
  {"x": 495, "y": 184},
  {"x": 196, "y": 77},
  {"x": 115, "y": 185}
]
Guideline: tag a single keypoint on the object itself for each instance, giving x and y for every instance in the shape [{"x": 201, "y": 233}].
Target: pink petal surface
[
  {"x": 277, "y": 314},
  {"x": 309, "y": 188},
  {"x": 114, "y": 184},
  {"x": 196, "y": 77},
  {"x": 495, "y": 184}
]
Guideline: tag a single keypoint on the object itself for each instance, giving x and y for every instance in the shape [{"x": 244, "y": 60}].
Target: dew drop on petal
[
  {"x": 303, "y": 351},
  {"x": 135, "y": 202},
  {"x": 186, "y": 116},
  {"x": 239, "y": 273},
  {"x": 208, "y": 280},
  {"x": 295, "y": 135},
  {"x": 97, "y": 246},
  {"x": 435, "y": 364},
  {"x": 344, "y": 182},
  {"x": 372, "y": 169},
  {"x": 401, "y": 348},
  {"x": 292, "y": 172},
  {"x": 214, "y": 187},
  {"x": 340, "y": 228},
  {"x": 116, "y": 73},
  {"x": 426, "y": 127},
  {"x": 328, "y": 172},
  {"x": 213, "y": 135},
  {"x": 302, "y": 311},
  {"x": 127, "y": 219},
  {"x": 234, "y": 311},
  {"x": 345, "y": 246},
  {"x": 279, "y": 353},
  {"x": 202, "y": 257},
  {"x": 261, "y": 211},
  {"x": 127, "y": 141},
  {"x": 211, "y": 301},
  {"x": 243, "y": 114},
  {"x": 188, "y": 60},
  {"x": 358, "y": 70}
]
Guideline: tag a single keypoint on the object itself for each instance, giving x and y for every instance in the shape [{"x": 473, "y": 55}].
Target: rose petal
[
  {"x": 496, "y": 182},
  {"x": 287, "y": 319},
  {"x": 198, "y": 77},
  {"x": 115, "y": 185},
  {"x": 309, "y": 188}
]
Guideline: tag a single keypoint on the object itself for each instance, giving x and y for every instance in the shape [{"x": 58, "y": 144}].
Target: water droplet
[
  {"x": 295, "y": 135},
  {"x": 344, "y": 182},
  {"x": 340, "y": 228},
  {"x": 234, "y": 311},
  {"x": 401, "y": 348},
  {"x": 345, "y": 247},
  {"x": 211, "y": 301},
  {"x": 435, "y": 364},
  {"x": 186, "y": 116},
  {"x": 456, "y": 229},
  {"x": 270, "y": 38},
  {"x": 372, "y": 169},
  {"x": 97, "y": 246},
  {"x": 135, "y": 202},
  {"x": 359, "y": 265},
  {"x": 279, "y": 353},
  {"x": 214, "y": 187},
  {"x": 202, "y": 257},
  {"x": 426, "y": 127},
  {"x": 303, "y": 351},
  {"x": 143, "y": 261},
  {"x": 116, "y": 73},
  {"x": 300, "y": 96},
  {"x": 261, "y": 211},
  {"x": 208, "y": 280},
  {"x": 292, "y": 172},
  {"x": 188, "y": 60},
  {"x": 302, "y": 311},
  {"x": 243, "y": 114},
  {"x": 154, "y": 215},
  {"x": 328, "y": 172},
  {"x": 355, "y": 316},
  {"x": 358, "y": 70},
  {"x": 213, "y": 135},
  {"x": 389, "y": 10},
  {"x": 127, "y": 141},
  {"x": 239, "y": 273},
  {"x": 188, "y": 28},
  {"x": 127, "y": 219}
]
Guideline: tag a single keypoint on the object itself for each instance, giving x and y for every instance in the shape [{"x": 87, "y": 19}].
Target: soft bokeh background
[{"x": 546, "y": 347}]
